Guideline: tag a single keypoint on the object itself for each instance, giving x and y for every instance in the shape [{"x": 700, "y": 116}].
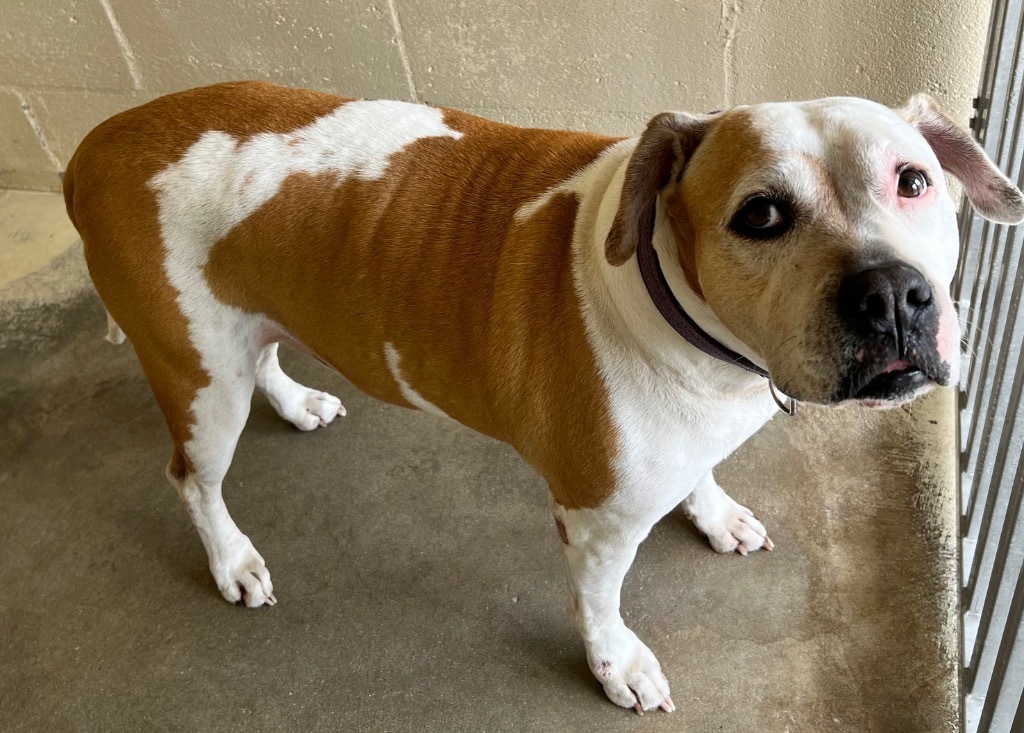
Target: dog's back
[{"x": 218, "y": 220}]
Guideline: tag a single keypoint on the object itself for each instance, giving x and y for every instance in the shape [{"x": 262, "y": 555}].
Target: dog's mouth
[
  {"x": 896, "y": 382},
  {"x": 893, "y": 381}
]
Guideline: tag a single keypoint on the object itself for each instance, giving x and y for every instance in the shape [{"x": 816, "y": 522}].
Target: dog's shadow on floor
[{"x": 679, "y": 524}]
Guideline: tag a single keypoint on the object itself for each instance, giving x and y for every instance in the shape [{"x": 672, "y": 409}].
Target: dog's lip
[{"x": 897, "y": 378}]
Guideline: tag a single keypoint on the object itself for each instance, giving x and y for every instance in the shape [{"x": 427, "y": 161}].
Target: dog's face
[{"x": 823, "y": 236}]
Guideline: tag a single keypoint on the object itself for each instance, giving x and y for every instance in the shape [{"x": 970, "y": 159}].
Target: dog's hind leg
[
  {"x": 305, "y": 408},
  {"x": 206, "y": 405}
]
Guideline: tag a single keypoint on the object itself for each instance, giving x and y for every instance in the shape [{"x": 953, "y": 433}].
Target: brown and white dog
[{"x": 489, "y": 273}]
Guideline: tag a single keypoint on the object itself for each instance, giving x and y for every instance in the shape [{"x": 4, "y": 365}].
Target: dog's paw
[
  {"x": 307, "y": 409},
  {"x": 738, "y": 531},
  {"x": 628, "y": 671},
  {"x": 242, "y": 575},
  {"x": 320, "y": 408}
]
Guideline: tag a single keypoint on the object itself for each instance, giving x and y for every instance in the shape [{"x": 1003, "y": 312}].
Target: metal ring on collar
[{"x": 789, "y": 409}]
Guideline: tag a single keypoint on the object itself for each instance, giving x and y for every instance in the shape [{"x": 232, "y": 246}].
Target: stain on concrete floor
[{"x": 417, "y": 567}]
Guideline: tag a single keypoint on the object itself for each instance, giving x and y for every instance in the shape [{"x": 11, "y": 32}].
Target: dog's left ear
[
  {"x": 991, "y": 193},
  {"x": 659, "y": 158}
]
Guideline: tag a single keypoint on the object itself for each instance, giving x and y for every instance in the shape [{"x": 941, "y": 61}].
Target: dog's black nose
[{"x": 885, "y": 300}]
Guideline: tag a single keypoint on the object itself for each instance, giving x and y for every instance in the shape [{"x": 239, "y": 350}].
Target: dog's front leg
[
  {"x": 728, "y": 525},
  {"x": 599, "y": 546}
]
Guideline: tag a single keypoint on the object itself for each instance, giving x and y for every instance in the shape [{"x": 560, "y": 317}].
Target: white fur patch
[
  {"x": 411, "y": 395},
  {"x": 219, "y": 182},
  {"x": 114, "y": 333}
]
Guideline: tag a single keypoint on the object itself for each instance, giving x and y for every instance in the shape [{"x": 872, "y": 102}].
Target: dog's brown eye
[
  {"x": 912, "y": 184},
  {"x": 762, "y": 217},
  {"x": 762, "y": 214}
]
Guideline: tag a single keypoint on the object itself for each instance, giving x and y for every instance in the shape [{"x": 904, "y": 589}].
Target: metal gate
[{"x": 991, "y": 424}]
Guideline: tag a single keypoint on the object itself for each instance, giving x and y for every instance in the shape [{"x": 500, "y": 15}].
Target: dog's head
[{"x": 821, "y": 234}]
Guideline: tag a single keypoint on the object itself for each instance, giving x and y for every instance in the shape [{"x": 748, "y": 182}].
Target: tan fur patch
[{"x": 682, "y": 230}]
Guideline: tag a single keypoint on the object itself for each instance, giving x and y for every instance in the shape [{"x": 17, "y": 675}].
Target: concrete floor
[{"x": 417, "y": 567}]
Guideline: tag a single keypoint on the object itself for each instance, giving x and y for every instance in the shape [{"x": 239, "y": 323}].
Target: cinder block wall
[{"x": 604, "y": 65}]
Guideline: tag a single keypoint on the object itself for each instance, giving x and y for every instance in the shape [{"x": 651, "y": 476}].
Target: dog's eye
[
  {"x": 762, "y": 217},
  {"x": 912, "y": 183}
]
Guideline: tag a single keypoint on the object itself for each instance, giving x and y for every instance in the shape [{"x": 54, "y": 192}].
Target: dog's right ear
[
  {"x": 658, "y": 160},
  {"x": 991, "y": 193}
]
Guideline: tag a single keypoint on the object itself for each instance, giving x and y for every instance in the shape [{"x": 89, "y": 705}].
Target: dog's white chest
[{"x": 666, "y": 447}]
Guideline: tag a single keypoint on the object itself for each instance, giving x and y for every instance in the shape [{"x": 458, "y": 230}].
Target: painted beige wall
[{"x": 604, "y": 65}]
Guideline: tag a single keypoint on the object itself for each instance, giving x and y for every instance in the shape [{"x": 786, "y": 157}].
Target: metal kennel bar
[{"x": 991, "y": 427}]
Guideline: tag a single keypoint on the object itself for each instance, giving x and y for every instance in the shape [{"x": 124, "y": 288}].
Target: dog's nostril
[
  {"x": 874, "y": 306},
  {"x": 920, "y": 296}
]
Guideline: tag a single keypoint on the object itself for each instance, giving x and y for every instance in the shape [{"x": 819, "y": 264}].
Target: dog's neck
[
  {"x": 668, "y": 305},
  {"x": 627, "y": 315}
]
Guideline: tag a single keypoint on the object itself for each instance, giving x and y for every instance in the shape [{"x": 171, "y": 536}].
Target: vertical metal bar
[
  {"x": 989, "y": 290},
  {"x": 994, "y": 416},
  {"x": 1018, "y": 718},
  {"x": 976, "y": 346},
  {"x": 999, "y": 550},
  {"x": 1010, "y": 642},
  {"x": 983, "y": 386}
]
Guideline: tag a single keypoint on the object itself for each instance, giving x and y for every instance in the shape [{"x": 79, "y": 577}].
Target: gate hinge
[{"x": 975, "y": 123}]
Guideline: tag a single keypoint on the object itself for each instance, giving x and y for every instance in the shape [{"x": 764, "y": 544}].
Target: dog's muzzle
[{"x": 891, "y": 322}]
